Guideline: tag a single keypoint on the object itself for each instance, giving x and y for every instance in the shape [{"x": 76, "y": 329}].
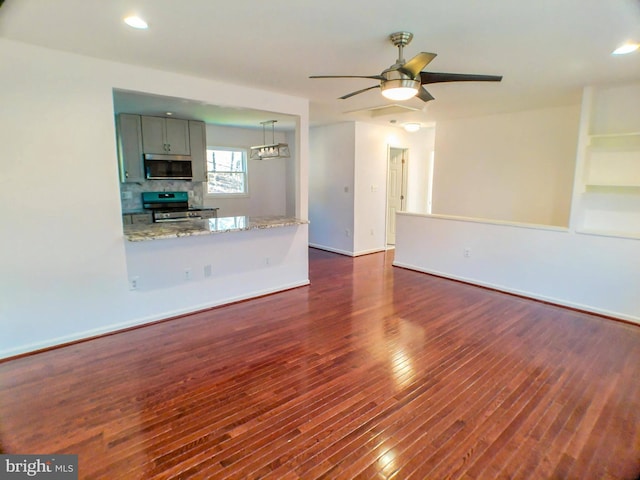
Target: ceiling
[{"x": 546, "y": 50}]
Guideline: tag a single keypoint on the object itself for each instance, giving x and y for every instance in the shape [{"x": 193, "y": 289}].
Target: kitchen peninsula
[{"x": 155, "y": 231}]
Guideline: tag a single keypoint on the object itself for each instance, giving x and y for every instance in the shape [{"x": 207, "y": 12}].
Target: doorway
[{"x": 397, "y": 163}]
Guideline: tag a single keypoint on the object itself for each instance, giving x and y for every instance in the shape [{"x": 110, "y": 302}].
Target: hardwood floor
[{"x": 370, "y": 372}]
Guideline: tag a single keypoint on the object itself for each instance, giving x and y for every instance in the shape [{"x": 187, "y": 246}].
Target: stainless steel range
[{"x": 174, "y": 207}]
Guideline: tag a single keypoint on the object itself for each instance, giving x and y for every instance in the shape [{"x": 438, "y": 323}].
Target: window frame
[{"x": 245, "y": 162}]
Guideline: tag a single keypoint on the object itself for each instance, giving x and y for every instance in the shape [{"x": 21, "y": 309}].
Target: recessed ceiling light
[
  {"x": 136, "y": 22},
  {"x": 412, "y": 127},
  {"x": 169, "y": 113},
  {"x": 628, "y": 47}
]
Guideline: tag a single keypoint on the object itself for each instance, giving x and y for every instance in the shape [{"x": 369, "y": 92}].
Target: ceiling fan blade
[
  {"x": 424, "y": 95},
  {"x": 417, "y": 63},
  {"x": 437, "y": 77},
  {"x": 358, "y": 91},
  {"x": 374, "y": 77}
]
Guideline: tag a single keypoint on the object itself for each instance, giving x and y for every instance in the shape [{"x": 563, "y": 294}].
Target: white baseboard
[
  {"x": 331, "y": 249},
  {"x": 345, "y": 252}
]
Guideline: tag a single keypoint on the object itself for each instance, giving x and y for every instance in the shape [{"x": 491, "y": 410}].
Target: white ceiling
[{"x": 547, "y": 50}]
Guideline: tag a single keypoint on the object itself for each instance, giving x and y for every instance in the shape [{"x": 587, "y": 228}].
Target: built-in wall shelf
[
  {"x": 609, "y": 233},
  {"x": 613, "y": 166},
  {"x": 613, "y": 159},
  {"x": 607, "y": 188},
  {"x": 625, "y": 141}
]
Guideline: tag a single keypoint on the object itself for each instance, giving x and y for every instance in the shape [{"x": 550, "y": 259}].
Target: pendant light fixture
[{"x": 271, "y": 150}]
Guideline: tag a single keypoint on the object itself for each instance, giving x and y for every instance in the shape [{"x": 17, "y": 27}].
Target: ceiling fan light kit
[
  {"x": 405, "y": 79},
  {"x": 271, "y": 150},
  {"x": 400, "y": 88}
]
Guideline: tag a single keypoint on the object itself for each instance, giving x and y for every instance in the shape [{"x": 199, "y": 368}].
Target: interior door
[{"x": 396, "y": 187}]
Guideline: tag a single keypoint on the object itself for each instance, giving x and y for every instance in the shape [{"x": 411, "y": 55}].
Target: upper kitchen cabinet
[
  {"x": 130, "y": 148},
  {"x": 165, "y": 135},
  {"x": 197, "y": 138}
]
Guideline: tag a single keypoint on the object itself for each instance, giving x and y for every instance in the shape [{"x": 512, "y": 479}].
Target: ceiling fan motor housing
[{"x": 401, "y": 38}]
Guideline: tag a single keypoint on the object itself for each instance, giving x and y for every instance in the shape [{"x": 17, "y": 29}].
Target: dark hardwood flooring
[{"x": 370, "y": 372}]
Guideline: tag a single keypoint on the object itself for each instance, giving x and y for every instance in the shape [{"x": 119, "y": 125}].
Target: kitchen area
[{"x": 163, "y": 170}]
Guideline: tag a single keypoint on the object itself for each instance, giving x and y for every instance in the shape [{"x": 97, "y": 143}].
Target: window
[{"x": 226, "y": 171}]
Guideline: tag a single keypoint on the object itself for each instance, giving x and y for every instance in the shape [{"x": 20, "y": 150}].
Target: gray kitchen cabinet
[
  {"x": 130, "y": 148},
  {"x": 198, "y": 140},
  {"x": 142, "y": 218},
  {"x": 165, "y": 135}
]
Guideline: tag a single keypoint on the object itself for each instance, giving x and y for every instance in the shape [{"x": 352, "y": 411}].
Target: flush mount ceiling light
[
  {"x": 136, "y": 22},
  {"x": 412, "y": 127},
  {"x": 628, "y": 47},
  {"x": 271, "y": 150}
]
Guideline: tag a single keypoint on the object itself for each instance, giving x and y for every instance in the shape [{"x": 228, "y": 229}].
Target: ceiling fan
[{"x": 404, "y": 79}]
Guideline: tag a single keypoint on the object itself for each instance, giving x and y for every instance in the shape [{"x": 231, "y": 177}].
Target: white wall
[
  {"x": 421, "y": 146},
  {"x": 593, "y": 273},
  {"x": 270, "y": 184},
  {"x": 615, "y": 109},
  {"x": 294, "y": 178},
  {"x": 515, "y": 167},
  {"x": 63, "y": 256},
  {"x": 243, "y": 264},
  {"x": 354, "y": 156},
  {"x": 371, "y": 186},
  {"x": 331, "y": 186}
]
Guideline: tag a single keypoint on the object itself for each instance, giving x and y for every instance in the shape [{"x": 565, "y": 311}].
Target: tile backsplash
[{"x": 134, "y": 191}]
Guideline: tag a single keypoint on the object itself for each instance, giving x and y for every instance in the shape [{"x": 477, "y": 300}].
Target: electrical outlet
[
  {"x": 267, "y": 261},
  {"x": 347, "y": 232},
  {"x": 134, "y": 283},
  {"x": 207, "y": 270},
  {"x": 187, "y": 274},
  {"x": 466, "y": 252}
]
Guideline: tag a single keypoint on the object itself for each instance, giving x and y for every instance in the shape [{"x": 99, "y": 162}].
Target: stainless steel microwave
[{"x": 167, "y": 167}]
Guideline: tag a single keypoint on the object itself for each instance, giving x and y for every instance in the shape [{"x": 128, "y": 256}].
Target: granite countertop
[{"x": 155, "y": 231}]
